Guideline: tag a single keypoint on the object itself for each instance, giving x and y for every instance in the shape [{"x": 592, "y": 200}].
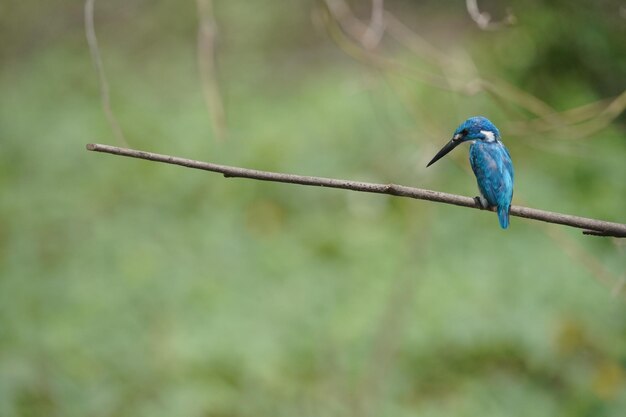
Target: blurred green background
[{"x": 130, "y": 288}]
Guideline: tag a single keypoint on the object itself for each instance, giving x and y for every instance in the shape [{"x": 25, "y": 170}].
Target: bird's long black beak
[{"x": 444, "y": 151}]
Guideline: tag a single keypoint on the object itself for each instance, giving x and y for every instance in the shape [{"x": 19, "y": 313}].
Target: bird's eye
[{"x": 464, "y": 132}]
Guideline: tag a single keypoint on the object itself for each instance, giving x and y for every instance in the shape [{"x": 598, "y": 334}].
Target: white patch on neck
[{"x": 489, "y": 136}]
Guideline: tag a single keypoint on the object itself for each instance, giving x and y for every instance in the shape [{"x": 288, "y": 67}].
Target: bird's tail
[{"x": 503, "y": 216}]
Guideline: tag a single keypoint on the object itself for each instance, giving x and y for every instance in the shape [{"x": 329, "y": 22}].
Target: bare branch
[
  {"x": 92, "y": 41},
  {"x": 603, "y": 228}
]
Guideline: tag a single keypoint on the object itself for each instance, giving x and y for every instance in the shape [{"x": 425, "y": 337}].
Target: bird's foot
[{"x": 481, "y": 202}]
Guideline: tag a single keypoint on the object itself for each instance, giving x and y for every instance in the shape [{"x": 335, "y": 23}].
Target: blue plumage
[{"x": 490, "y": 161}]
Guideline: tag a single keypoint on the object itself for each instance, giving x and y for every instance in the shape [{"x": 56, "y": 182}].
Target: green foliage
[{"x": 129, "y": 288}]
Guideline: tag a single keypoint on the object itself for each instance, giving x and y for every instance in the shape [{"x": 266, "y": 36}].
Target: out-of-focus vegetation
[{"x": 129, "y": 288}]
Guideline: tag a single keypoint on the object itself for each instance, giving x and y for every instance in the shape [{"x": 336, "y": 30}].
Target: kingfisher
[{"x": 490, "y": 161}]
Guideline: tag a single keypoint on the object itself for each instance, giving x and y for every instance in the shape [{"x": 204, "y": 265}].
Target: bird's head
[{"x": 474, "y": 128}]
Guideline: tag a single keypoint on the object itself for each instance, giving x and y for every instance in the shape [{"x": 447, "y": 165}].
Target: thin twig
[
  {"x": 92, "y": 41},
  {"x": 602, "y": 228}
]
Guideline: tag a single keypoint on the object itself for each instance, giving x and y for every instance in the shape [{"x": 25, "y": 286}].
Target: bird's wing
[{"x": 493, "y": 168}]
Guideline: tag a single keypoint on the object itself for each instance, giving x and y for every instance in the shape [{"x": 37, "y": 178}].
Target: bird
[{"x": 490, "y": 161}]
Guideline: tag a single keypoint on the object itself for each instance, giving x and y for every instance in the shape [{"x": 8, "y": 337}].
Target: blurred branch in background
[
  {"x": 346, "y": 19},
  {"x": 207, "y": 34},
  {"x": 369, "y": 36},
  {"x": 348, "y": 32},
  {"x": 483, "y": 19},
  {"x": 376, "y": 28},
  {"x": 589, "y": 226},
  {"x": 92, "y": 41},
  {"x": 508, "y": 95},
  {"x": 352, "y": 28},
  {"x": 586, "y": 119}
]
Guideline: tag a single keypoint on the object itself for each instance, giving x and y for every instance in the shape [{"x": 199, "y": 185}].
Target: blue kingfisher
[{"x": 490, "y": 161}]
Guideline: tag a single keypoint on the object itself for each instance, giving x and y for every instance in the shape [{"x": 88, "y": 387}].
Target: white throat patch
[{"x": 489, "y": 136}]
